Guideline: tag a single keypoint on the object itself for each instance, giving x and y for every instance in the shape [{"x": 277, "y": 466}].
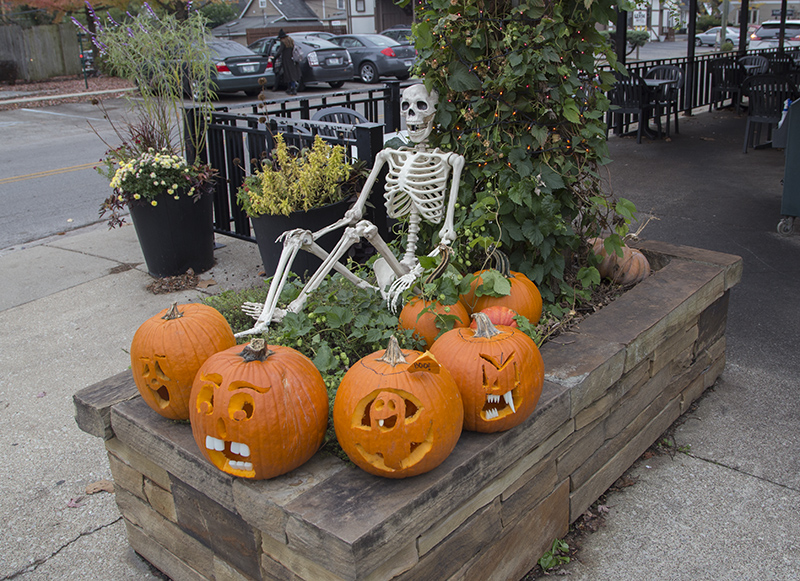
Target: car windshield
[
  {"x": 226, "y": 48},
  {"x": 315, "y": 41},
  {"x": 380, "y": 40},
  {"x": 773, "y": 30}
]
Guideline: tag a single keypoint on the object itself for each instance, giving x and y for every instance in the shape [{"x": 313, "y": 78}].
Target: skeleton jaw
[{"x": 418, "y": 132}]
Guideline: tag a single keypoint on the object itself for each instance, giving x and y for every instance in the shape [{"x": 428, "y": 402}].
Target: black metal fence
[{"x": 237, "y": 142}]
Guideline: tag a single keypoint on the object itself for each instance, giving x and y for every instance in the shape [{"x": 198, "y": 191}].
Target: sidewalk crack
[
  {"x": 740, "y": 471},
  {"x": 42, "y": 560}
]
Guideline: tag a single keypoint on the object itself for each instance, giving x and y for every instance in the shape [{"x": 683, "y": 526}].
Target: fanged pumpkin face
[
  {"x": 396, "y": 430},
  {"x": 230, "y": 416},
  {"x": 501, "y": 383}
]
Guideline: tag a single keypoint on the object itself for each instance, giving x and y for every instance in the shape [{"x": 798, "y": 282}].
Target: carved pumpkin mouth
[
  {"x": 500, "y": 406},
  {"x": 160, "y": 395},
  {"x": 418, "y": 452},
  {"x": 230, "y": 456}
]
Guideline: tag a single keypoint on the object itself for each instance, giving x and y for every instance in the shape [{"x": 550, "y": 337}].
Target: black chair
[
  {"x": 766, "y": 95},
  {"x": 667, "y": 98},
  {"x": 630, "y": 96},
  {"x": 754, "y": 64},
  {"x": 727, "y": 77},
  {"x": 780, "y": 64}
]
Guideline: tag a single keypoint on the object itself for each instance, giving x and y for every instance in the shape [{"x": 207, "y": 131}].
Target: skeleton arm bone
[
  {"x": 354, "y": 214},
  {"x": 447, "y": 234}
]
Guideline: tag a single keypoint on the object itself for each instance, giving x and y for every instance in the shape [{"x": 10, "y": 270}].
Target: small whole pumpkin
[
  {"x": 498, "y": 370},
  {"x": 630, "y": 268},
  {"x": 169, "y": 348},
  {"x": 524, "y": 297},
  {"x": 498, "y": 315},
  {"x": 397, "y": 414},
  {"x": 424, "y": 323},
  {"x": 258, "y": 410}
]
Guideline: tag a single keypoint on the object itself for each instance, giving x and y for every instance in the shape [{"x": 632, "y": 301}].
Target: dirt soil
[{"x": 72, "y": 89}]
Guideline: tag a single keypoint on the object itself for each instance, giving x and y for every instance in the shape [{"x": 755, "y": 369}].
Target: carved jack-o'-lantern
[
  {"x": 169, "y": 348},
  {"x": 498, "y": 370},
  {"x": 258, "y": 410},
  {"x": 397, "y": 414}
]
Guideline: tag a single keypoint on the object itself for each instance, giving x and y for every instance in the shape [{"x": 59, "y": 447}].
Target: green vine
[{"x": 522, "y": 97}]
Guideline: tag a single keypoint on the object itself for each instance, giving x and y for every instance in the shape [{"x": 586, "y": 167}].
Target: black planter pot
[
  {"x": 268, "y": 228},
  {"x": 176, "y": 235}
]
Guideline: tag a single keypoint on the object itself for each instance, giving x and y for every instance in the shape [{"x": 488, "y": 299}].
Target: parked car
[
  {"x": 238, "y": 68},
  {"x": 399, "y": 32},
  {"x": 323, "y": 61},
  {"x": 375, "y": 56},
  {"x": 711, "y": 36},
  {"x": 767, "y": 35}
]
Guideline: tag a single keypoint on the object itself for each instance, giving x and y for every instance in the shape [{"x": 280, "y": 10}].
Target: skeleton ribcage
[{"x": 416, "y": 180}]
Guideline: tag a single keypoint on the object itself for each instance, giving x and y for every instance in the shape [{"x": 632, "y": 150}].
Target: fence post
[
  {"x": 369, "y": 141},
  {"x": 391, "y": 106}
]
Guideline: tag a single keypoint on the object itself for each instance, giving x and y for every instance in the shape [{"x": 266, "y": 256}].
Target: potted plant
[
  {"x": 310, "y": 189},
  {"x": 169, "y": 196}
]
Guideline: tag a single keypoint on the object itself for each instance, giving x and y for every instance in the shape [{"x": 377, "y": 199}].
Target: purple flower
[{"x": 79, "y": 25}]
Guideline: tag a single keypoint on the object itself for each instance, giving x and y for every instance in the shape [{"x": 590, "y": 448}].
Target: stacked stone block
[{"x": 613, "y": 386}]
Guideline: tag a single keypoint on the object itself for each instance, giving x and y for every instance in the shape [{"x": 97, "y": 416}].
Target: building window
[
  {"x": 361, "y": 6},
  {"x": 340, "y": 4}
]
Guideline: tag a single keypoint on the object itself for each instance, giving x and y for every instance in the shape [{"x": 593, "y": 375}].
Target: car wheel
[
  {"x": 336, "y": 84},
  {"x": 368, "y": 73},
  {"x": 698, "y": 42},
  {"x": 402, "y": 77},
  {"x": 301, "y": 86},
  {"x": 252, "y": 92}
]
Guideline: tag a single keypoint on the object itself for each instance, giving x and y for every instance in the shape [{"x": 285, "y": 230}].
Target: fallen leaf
[
  {"x": 602, "y": 508},
  {"x": 41, "y": 394},
  {"x": 75, "y": 502},
  {"x": 206, "y": 283},
  {"x": 100, "y": 486},
  {"x": 707, "y": 138}
]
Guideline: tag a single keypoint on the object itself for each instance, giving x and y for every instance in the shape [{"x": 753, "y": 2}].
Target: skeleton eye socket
[
  {"x": 405, "y": 105},
  {"x": 422, "y": 105}
]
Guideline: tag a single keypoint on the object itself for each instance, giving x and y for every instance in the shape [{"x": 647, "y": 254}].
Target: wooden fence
[{"x": 40, "y": 52}]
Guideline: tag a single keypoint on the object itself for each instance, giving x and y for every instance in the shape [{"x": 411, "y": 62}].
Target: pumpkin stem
[
  {"x": 486, "y": 328},
  {"x": 393, "y": 354},
  {"x": 172, "y": 312},
  {"x": 439, "y": 270},
  {"x": 256, "y": 350},
  {"x": 500, "y": 261}
]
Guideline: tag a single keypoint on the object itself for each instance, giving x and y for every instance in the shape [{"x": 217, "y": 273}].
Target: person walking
[{"x": 290, "y": 69}]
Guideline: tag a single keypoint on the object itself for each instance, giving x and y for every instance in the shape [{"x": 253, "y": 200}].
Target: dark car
[
  {"x": 237, "y": 67},
  {"x": 323, "y": 61},
  {"x": 400, "y": 32},
  {"x": 375, "y": 56}
]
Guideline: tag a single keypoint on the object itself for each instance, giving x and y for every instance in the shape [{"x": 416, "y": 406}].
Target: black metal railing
[{"x": 237, "y": 142}]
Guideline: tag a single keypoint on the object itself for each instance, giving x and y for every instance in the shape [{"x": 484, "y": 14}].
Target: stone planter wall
[{"x": 495, "y": 505}]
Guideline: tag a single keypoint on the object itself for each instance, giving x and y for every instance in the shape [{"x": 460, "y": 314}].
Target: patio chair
[
  {"x": 727, "y": 76},
  {"x": 754, "y": 64},
  {"x": 766, "y": 95},
  {"x": 630, "y": 96},
  {"x": 343, "y": 115},
  {"x": 667, "y": 98},
  {"x": 780, "y": 64}
]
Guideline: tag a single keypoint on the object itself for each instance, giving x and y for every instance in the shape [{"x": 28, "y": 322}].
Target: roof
[
  {"x": 239, "y": 26},
  {"x": 294, "y": 10}
]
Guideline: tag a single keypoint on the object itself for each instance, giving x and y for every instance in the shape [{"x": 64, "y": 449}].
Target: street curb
[{"x": 59, "y": 96}]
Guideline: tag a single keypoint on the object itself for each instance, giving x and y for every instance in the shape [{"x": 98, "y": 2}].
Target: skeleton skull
[{"x": 419, "y": 108}]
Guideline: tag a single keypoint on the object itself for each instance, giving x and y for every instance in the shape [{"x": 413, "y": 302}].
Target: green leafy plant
[
  {"x": 522, "y": 97},
  {"x": 556, "y": 556},
  {"x": 293, "y": 181}
]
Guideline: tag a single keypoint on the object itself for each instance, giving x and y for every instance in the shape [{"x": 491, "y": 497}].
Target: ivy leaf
[
  {"x": 324, "y": 359},
  {"x": 494, "y": 285},
  {"x": 571, "y": 111},
  {"x": 461, "y": 80},
  {"x": 521, "y": 161},
  {"x": 339, "y": 317}
]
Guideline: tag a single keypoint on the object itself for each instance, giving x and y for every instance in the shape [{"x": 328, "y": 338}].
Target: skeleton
[{"x": 416, "y": 186}]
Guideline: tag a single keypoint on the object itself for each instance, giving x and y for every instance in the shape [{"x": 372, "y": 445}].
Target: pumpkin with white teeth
[
  {"x": 498, "y": 370},
  {"x": 257, "y": 410}
]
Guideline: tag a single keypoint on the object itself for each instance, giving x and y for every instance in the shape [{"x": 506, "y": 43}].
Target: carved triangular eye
[{"x": 500, "y": 363}]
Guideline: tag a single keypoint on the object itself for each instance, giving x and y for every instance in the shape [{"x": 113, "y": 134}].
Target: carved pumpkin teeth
[
  {"x": 509, "y": 398},
  {"x": 216, "y": 444},
  {"x": 380, "y": 423},
  {"x": 237, "y": 465},
  {"x": 238, "y": 448}
]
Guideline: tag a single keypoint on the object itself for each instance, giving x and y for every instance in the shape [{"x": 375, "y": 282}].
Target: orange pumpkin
[
  {"x": 630, "y": 268},
  {"x": 397, "y": 414},
  {"x": 258, "y": 410},
  {"x": 498, "y": 370},
  {"x": 424, "y": 323},
  {"x": 169, "y": 348},
  {"x": 524, "y": 297},
  {"x": 498, "y": 315}
]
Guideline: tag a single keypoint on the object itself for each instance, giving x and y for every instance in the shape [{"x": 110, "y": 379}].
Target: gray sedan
[{"x": 375, "y": 56}]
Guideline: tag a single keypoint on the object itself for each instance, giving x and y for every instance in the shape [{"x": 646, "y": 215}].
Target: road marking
[
  {"x": 47, "y": 173},
  {"x": 59, "y": 114}
]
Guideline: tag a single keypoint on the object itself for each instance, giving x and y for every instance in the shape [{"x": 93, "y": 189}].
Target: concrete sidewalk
[{"x": 725, "y": 505}]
